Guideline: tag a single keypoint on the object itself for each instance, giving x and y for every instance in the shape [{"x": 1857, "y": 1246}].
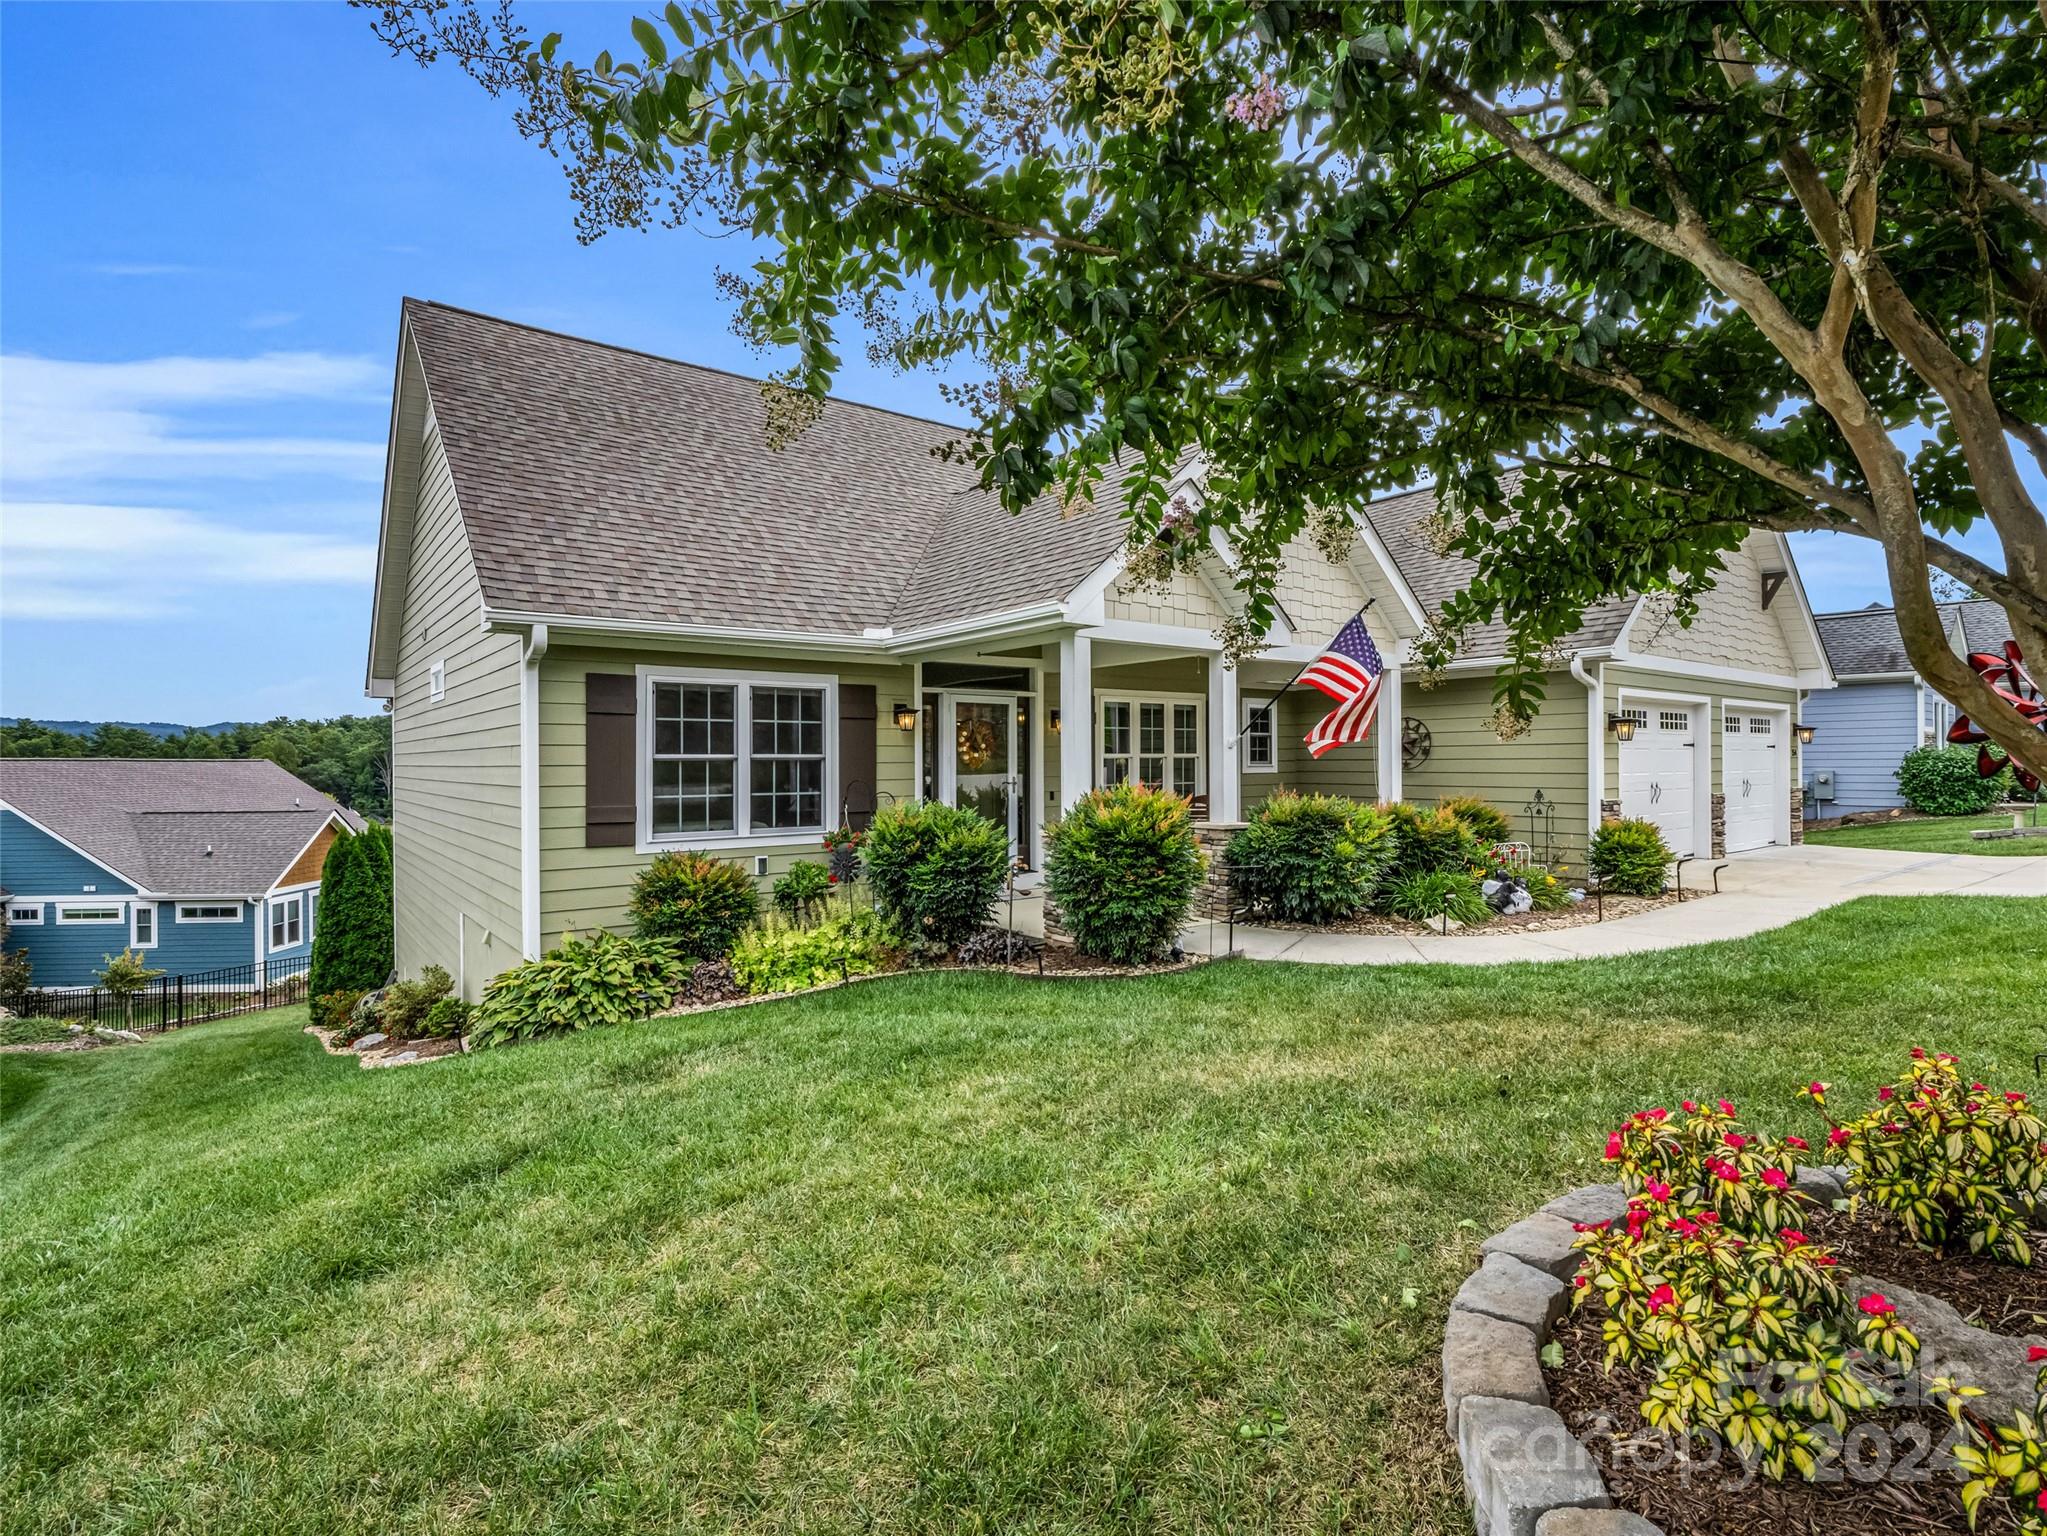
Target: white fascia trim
[
  {"x": 1712, "y": 672},
  {"x": 1845, "y": 678},
  {"x": 889, "y": 643},
  {"x": 1179, "y": 637},
  {"x": 1382, "y": 557},
  {"x": 1088, "y": 602},
  {"x": 317, "y": 832},
  {"x": 371, "y": 681},
  {"x": 1494, "y": 663},
  {"x": 293, "y": 890},
  {"x": 1811, "y": 624},
  {"x": 141, "y": 889}
]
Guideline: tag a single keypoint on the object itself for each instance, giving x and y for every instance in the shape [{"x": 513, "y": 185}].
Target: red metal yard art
[{"x": 2007, "y": 675}]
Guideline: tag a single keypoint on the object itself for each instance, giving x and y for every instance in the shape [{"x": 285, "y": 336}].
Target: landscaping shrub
[
  {"x": 365, "y": 1018},
  {"x": 1488, "y": 823},
  {"x": 780, "y": 956},
  {"x": 698, "y": 904},
  {"x": 1943, "y": 781},
  {"x": 1550, "y": 891},
  {"x": 1428, "y": 894},
  {"x": 935, "y": 869},
  {"x": 2005, "y": 1461},
  {"x": 1311, "y": 858},
  {"x": 1706, "y": 1160},
  {"x": 1122, "y": 865},
  {"x": 801, "y": 893},
  {"x": 15, "y": 971},
  {"x": 1426, "y": 841},
  {"x": 604, "y": 979},
  {"x": 406, "y": 1002},
  {"x": 447, "y": 1018},
  {"x": 352, "y": 939},
  {"x": 331, "y": 1010},
  {"x": 1959, "y": 1165},
  {"x": 1629, "y": 857}
]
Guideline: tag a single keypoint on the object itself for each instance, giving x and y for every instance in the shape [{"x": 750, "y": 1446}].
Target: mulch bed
[
  {"x": 2010, "y": 1299},
  {"x": 1576, "y": 916},
  {"x": 1894, "y": 1477}
]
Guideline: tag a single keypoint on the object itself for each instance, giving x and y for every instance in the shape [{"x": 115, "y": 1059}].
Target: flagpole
[{"x": 1270, "y": 707}]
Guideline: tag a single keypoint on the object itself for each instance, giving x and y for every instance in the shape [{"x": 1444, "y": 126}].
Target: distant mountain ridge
[{"x": 153, "y": 727}]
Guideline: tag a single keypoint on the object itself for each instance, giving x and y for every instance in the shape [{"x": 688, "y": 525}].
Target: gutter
[
  {"x": 1595, "y": 734},
  {"x": 878, "y": 641},
  {"x": 531, "y": 653}
]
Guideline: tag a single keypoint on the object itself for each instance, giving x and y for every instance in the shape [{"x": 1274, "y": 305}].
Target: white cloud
[
  {"x": 74, "y": 560},
  {"x": 100, "y": 421},
  {"x": 270, "y": 320},
  {"x": 141, "y": 268}
]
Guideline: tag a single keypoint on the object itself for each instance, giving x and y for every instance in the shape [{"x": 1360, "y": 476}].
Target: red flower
[
  {"x": 1656, "y": 1191},
  {"x": 1709, "y": 1216},
  {"x": 1824, "y": 1260},
  {"x": 2035, "y": 1352},
  {"x": 2014, "y": 1098},
  {"x": 1736, "y": 1143},
  {"x": 1793, "y": 1238},
  {"x": 1726, "y": 1108},
  {"x": 1684, "y": 1228},
  {"x": 1613, "y": 1147},
  {"x": 1580, "y": 1281},
  {"x": 1877, "y": 1305},
  {"x": 1885, "y": 1093},
  {"x": 1663, "y": 1296},
  {"x": 1918, "y": 1054},
  {"x": 1590, "y": 1226},
  {"x": 1837, "y": 1137},
  {"x": 1798, "y": 1142},
  {"x": 1774, "y": 1177},
  {"x": 2041, "y": 1501},
  {"x": 1815, "y": 1088}
]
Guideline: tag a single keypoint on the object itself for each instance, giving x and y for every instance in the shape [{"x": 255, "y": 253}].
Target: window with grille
[
  {"x": 1759, "y": 725},
  {"x": 1673, "y": 720},
  {"x": 736, "y": 756},
  {"x": 1153, "y": 741},
  {"x": 1261, "y": 740}
]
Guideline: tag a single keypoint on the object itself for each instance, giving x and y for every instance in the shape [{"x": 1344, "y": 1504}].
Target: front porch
[{"x": 1021, "y": 730}]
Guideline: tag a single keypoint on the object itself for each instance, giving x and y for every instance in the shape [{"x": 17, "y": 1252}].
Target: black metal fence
[{"x": 167, "y": 1002}]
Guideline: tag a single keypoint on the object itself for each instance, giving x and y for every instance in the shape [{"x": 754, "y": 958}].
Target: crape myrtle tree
[{"x": 1700, "y": 269}]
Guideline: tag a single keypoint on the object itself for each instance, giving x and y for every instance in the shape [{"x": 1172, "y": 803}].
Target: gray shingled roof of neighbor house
[
  {"x": 1865, "y": 642},
  {"x": 185, "y": 828}
]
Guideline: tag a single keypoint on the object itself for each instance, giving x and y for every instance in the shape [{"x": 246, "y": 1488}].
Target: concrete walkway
[{"x": 1758, "y": 891}]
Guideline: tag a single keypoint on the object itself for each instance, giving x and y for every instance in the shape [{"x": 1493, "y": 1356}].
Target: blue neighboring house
[
  {"x": 1883, "y": 708},
  {"x": 197, "y": 866}
]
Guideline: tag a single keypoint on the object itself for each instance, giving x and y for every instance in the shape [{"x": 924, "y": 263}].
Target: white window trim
[
  {"x": 437, "y": 680},
  {"x": 285, "y": 907},
  {"x": 742, "y": 683},
  {"x": 65, "y": 908},
  {"x": 1252, "y": 704},
  {"x": 1152, "y": 696},
  {"x": 135, "y": 911},
  {"x": 187, "y": 907},
  {"x": 25, "y": 914}
]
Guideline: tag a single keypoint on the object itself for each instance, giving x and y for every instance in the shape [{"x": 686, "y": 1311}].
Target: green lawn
[
  {"x": 952, "y": 1253},
  {"x": 1936, "y": 834}
]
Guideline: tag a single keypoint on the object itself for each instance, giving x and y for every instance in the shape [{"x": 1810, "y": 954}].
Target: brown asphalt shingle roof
[{"x": 152, "y": 820}]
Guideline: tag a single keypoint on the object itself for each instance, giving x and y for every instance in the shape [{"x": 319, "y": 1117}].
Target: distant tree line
[{"x": 348, "y": 757}]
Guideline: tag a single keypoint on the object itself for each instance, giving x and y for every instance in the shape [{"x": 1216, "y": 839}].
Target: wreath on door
[{"x": 977, "y": 745}]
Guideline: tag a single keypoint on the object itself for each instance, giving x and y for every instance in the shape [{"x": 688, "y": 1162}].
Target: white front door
[
  {"x": 984, "y": 766},
  {"x": 1752, "y": 766},
  {"x": 1659, "y": 771}
]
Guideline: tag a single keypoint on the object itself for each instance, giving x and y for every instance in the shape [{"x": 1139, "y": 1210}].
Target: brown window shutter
[
  {"x": 610, "y": 784},
  {"x": 856, "y": 753}
]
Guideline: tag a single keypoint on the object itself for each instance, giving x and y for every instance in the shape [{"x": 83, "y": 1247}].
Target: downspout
[
  {"x": 530, "y": 655},
  {"x": 1595, "y": 738}
]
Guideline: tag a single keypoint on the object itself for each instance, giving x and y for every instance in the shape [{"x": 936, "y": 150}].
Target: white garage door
[
  {"x": 1752, "y": 765},
  {"x": 1659, "y": 772}
]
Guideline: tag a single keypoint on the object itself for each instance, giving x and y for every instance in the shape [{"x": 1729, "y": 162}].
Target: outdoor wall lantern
[
  {"x": 1052, "y": 719},
  {"x": 1622, "y": 726},
  {"x": 906, "y": 718},
  {"x": 1023, "y": 715},
  {"x": 1805, "y": 733}
]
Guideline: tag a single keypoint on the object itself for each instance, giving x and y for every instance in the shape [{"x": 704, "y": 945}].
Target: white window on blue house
[
  {"x": 25, "y": 915},
  {"x": 203, "y": 912},
  {"x": 142, "y": 925},
  {"x": 88, "y": 912},
  {"x": 286, "y": 915}
]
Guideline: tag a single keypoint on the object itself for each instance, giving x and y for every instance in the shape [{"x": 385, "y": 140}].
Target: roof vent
[
  {"x": 294, "y": 802},
  {"x": 209, "y": 850}
]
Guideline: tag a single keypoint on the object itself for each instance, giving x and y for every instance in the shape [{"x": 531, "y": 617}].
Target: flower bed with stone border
[{"x": 1527, "y": 1473}]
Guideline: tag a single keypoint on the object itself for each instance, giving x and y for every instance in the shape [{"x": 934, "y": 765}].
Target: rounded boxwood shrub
[
  {"x": 1630, "y": 856},
  {"x": 699, "y": 904},
  {"x": 1488, "y": 823},
  {"x": 935, "y": 869},
  {"x": 1311, "y": 858},
  {"x": 1424, "y": 895},
  {"x": 1943, "y": 781},
  {"x": 1121, "y": 867}
]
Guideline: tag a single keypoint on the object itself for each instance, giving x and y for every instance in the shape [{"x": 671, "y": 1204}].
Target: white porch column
[
  {"x": 1076, "y": 718},
  {"x": 1225, "y": 740},
  {"x": 1391, "y": 707}
]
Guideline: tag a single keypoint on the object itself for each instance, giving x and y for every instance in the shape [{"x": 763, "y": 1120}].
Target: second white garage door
[
  {"x": 1659, "y": 771},
  {"x": 1752, "y": 766}
]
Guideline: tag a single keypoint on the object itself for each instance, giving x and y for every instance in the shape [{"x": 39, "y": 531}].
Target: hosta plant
[
  {"x": 1958, "y": 1163},
  {"x": 1708, "y": 1161},
  {"x": 604, "y": 979},
  {"x": 1751, "y": 1336}
]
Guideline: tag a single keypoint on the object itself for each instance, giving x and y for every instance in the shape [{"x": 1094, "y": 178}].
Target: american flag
[{"x": 1348, "y": 670}]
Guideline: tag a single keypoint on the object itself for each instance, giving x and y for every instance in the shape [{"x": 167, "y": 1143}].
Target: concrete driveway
[{"x": 1758, "y": 891}]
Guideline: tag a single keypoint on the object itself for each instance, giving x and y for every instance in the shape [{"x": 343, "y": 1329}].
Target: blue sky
[{"x": 211, "y": 212}]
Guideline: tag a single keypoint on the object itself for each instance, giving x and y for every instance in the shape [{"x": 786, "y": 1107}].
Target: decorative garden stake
[{"x": 2008, "y": 679}]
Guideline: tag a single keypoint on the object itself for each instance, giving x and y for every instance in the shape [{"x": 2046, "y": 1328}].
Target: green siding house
[{"x": 611, "y": 618}]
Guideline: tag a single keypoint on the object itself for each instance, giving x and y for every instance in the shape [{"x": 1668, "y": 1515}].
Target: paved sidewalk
[{"x": 1758, "y": 891}]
